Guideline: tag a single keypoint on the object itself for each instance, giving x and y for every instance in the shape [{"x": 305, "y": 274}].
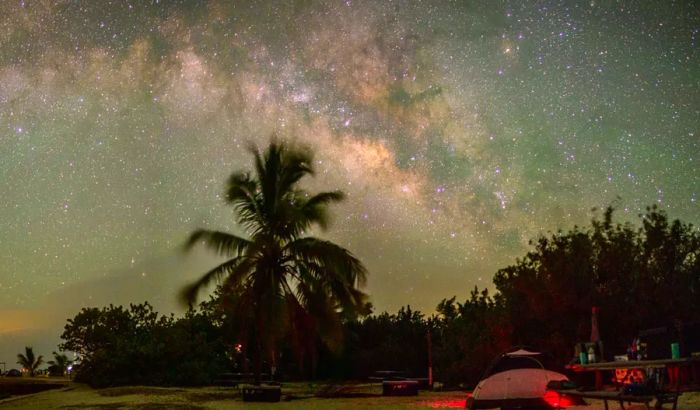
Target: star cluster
[{"x": 459, "y": 130}]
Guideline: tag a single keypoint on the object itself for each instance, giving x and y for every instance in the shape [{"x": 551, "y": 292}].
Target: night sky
[{"x": 459, "y": 130}]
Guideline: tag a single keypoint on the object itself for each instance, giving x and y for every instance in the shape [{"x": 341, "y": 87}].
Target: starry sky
[{"x": 459, "y": 130}]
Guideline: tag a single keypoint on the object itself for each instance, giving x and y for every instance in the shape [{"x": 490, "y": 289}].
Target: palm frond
[
  {"x": 315, "y": 210},
  {"x": 267, "y": 168},
  {"x": 238, "y": 278},
  {"x": 242, "y": 193},
  {"x": 338, "y": 261},
  {"x": 325, "y": 198},
  {"x": 188, "y": 295},
  {"x": 223, "y": 243},
  {"x": 297, "y": 162},
  {"x": 321, "y": 313},
  {"x": 346, "y": 299},
  {"x": 337, "y": 273}
]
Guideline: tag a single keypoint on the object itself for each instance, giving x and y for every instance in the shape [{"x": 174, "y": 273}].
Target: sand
[{"x": 298, "y": 395}]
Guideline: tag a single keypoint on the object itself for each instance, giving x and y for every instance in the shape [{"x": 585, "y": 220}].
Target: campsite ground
[{"x": 297, "y": 395}]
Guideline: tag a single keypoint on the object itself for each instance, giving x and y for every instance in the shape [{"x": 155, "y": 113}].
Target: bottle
[
  {"x": 639, "y": 349},
  {"x": 591, "y": 354}
]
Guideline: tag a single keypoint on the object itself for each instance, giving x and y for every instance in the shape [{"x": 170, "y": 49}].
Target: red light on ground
[
  {"x": 556, "y": 400},
  {"x": 447, "y": 404}
]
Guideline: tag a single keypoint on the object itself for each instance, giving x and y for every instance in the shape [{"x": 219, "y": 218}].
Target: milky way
[{"x": 459, "y": 131}]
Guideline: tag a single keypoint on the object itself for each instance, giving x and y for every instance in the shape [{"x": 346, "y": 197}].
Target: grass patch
[
  {"x": 199, "y": 397},
  {"x": 162, "y": 406},
  {"x": 103, "y": 406},
  {"x": 348, "y": 391},
  {"x": 125, "y": 405}
]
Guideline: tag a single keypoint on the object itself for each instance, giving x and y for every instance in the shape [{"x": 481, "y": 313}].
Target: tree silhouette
[
  {"x": 59, "y": 364},
  {"x": 28, "y": 361},
  {"x": 277, "y": 281},
  {"x": 638, "y": 278}
]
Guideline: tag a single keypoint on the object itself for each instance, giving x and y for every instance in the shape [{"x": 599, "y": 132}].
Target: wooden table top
[{"x": 638, "y": 364}]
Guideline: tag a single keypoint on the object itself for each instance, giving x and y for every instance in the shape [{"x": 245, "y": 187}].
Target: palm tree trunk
[
  {"x": 273, "y": 364},
  {"x": 257, "y": 362},
  {"x": 314, "y": 361}
]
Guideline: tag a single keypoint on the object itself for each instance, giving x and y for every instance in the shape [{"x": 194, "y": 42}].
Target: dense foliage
[
  {"x": 639, "y": 278},
  {"x": 59, "y": 365},
  {"x": 118, "y": 346},
  {"x": 463, "y": 339}
]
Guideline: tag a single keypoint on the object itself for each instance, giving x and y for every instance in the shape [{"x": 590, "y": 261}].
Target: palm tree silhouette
[
  {"x": 59, "y": 364},
  {"x": 28, "y": 361},
  {"x": 277, "y": 281}
]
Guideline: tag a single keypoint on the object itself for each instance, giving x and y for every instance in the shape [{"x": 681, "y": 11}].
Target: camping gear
[
  {"x": 514, "y": 380},
  {"x": 675, "y": 350},
  {"x": 591, "y": 354}
]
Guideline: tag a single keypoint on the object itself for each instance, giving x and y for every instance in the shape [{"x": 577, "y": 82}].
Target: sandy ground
[{"x": 78, "y": 396}]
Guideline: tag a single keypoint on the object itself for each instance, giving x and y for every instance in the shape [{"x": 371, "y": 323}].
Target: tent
[{"x": 515, "y": 380}]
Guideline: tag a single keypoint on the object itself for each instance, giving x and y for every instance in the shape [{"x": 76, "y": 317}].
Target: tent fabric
[
  {"x": 523, "y": 352},
  {"x": 518, "y": 359},
  {"x": 516, "y": 384},
  {"x": 515, "y": 379}
]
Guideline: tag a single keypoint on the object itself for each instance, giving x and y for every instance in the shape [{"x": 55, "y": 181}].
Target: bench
[
  {"x": 662, "y": 397},
  {"x": 382, "y": 375},
  {"x": 399, "y": 388}
]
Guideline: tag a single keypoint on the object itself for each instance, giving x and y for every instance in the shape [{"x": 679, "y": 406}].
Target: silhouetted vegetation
[
  {"x": 118, "y": 346},
  {"x": 639, "y": 277},
  {"x": 278, "y": 283},
  {"x": 59, "y": 365},
  {"x": 29, "y": 361}
]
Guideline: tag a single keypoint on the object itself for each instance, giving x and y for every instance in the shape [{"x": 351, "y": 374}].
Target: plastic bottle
[{"x": 591, "y": 354}]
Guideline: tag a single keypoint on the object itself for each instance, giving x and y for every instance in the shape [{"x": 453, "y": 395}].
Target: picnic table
[
  {"x": 396, "y": 383},
  {"x": 671, "y": 365},
  {"x": 384, "y": 375},
  {"x": 660, "y": 394},
  {"x": 621, "y": 397}
]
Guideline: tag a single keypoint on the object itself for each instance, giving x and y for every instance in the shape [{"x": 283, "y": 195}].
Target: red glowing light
[
  {"x": 447, "y": 404},
  {"x": 552, "y": 398},
  {"x": 557, "y": 401}
]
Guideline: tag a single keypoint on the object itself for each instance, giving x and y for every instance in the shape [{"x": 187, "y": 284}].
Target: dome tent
[{"x": 515, "y": 380}]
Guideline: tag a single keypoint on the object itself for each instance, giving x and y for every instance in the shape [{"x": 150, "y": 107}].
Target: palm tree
[
  {"x": 59, "y": 364},
  {"x": 276, "y": 280},
  {"x": 28, "y": 361}
]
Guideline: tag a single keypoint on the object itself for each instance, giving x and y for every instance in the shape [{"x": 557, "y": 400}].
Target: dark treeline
[
  {"x": 136, "y": 346},
  {"x": 639, "y": 276}
]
